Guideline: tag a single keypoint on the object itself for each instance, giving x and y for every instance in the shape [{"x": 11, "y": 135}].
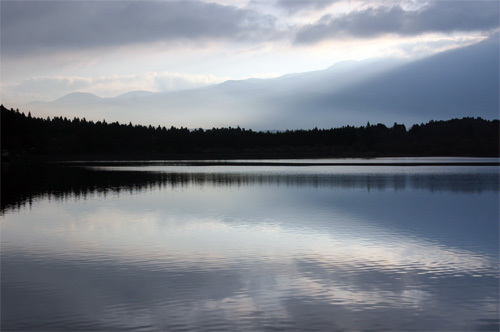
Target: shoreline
[{"x": 277, "y": 161}]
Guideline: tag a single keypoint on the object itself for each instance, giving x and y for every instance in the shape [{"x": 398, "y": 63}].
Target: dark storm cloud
[
  {"x": 29, "y": 26},
  {"x": 440, "y": 16}
]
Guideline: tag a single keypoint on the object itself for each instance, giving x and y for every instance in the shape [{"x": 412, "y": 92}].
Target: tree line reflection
[{"x": 21, "y": 184}]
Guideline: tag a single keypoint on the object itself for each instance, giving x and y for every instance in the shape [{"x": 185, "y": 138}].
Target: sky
[{"x": 51, "y": 48}]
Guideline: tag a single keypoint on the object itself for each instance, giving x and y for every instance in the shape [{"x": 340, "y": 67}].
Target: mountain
[
  {"x": 78, "y": 97},
  {"x": 134, "y": 95},
  {"x": 461, "y": 82},
  {"x": 456, "y": 83}
]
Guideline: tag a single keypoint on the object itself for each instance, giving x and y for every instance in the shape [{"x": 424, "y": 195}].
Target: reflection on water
[
  {"x": 23, "y": 183},
  {"x": 250, "y": 248}
]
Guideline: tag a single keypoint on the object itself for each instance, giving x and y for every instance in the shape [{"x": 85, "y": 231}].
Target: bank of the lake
[{"x": 30, "y": 139}]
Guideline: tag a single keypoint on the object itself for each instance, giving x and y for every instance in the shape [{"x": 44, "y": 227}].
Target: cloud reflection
[{"x": 233, "y": 251}]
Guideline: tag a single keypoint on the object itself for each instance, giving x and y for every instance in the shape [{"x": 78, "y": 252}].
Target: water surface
[{"x": 222, "y": 247}]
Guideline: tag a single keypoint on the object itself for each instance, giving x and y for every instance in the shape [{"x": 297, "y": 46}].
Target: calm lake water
[{"x": 170, "y": 246}]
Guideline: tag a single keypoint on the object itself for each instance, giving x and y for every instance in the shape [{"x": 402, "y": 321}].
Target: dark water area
[{"x": 225, "y": 247}]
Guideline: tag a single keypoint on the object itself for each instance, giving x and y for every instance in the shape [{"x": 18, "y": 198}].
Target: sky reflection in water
[{"x": 225, "y": 248}]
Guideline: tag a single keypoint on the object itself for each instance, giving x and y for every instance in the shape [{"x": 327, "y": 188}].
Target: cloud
[
  {"x": 29, "y": 26},
  {"x": 295, "y": 6},
  {"x": 439, "y": 16}
]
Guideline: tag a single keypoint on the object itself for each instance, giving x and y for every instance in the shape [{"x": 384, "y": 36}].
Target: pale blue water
[{"x": 176, "y": 247}]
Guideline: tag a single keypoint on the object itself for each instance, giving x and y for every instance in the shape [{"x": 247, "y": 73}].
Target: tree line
[{"x": 24, "y": 136}]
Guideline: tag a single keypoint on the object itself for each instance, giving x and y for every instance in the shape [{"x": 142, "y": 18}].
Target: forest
[{"x": 28, "y": 138}]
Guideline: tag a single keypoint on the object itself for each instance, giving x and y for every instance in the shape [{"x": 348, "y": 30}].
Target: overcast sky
[{"x": 51, "y": 48}]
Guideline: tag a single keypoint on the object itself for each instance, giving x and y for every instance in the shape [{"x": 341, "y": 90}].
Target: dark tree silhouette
[{"x": 33, "y": 138}]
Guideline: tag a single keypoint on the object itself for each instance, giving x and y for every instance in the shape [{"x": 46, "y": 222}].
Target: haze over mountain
[{"x": 456, "y": 83}]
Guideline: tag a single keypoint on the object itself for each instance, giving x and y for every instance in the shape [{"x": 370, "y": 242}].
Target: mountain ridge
[{"x": 455, "y": 83}]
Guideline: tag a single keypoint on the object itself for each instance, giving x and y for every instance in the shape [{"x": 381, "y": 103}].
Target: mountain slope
[{"x": 456, "y": 83}]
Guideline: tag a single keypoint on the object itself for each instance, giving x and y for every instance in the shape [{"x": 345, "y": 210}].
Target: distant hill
[
  {"x": 134, "y": 95},
  {"x": 78, "y": 97},
  {"x": 457, "y": 83}
]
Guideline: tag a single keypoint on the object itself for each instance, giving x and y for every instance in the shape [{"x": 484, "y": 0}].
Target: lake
[{"x": 225, "y": 246}]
